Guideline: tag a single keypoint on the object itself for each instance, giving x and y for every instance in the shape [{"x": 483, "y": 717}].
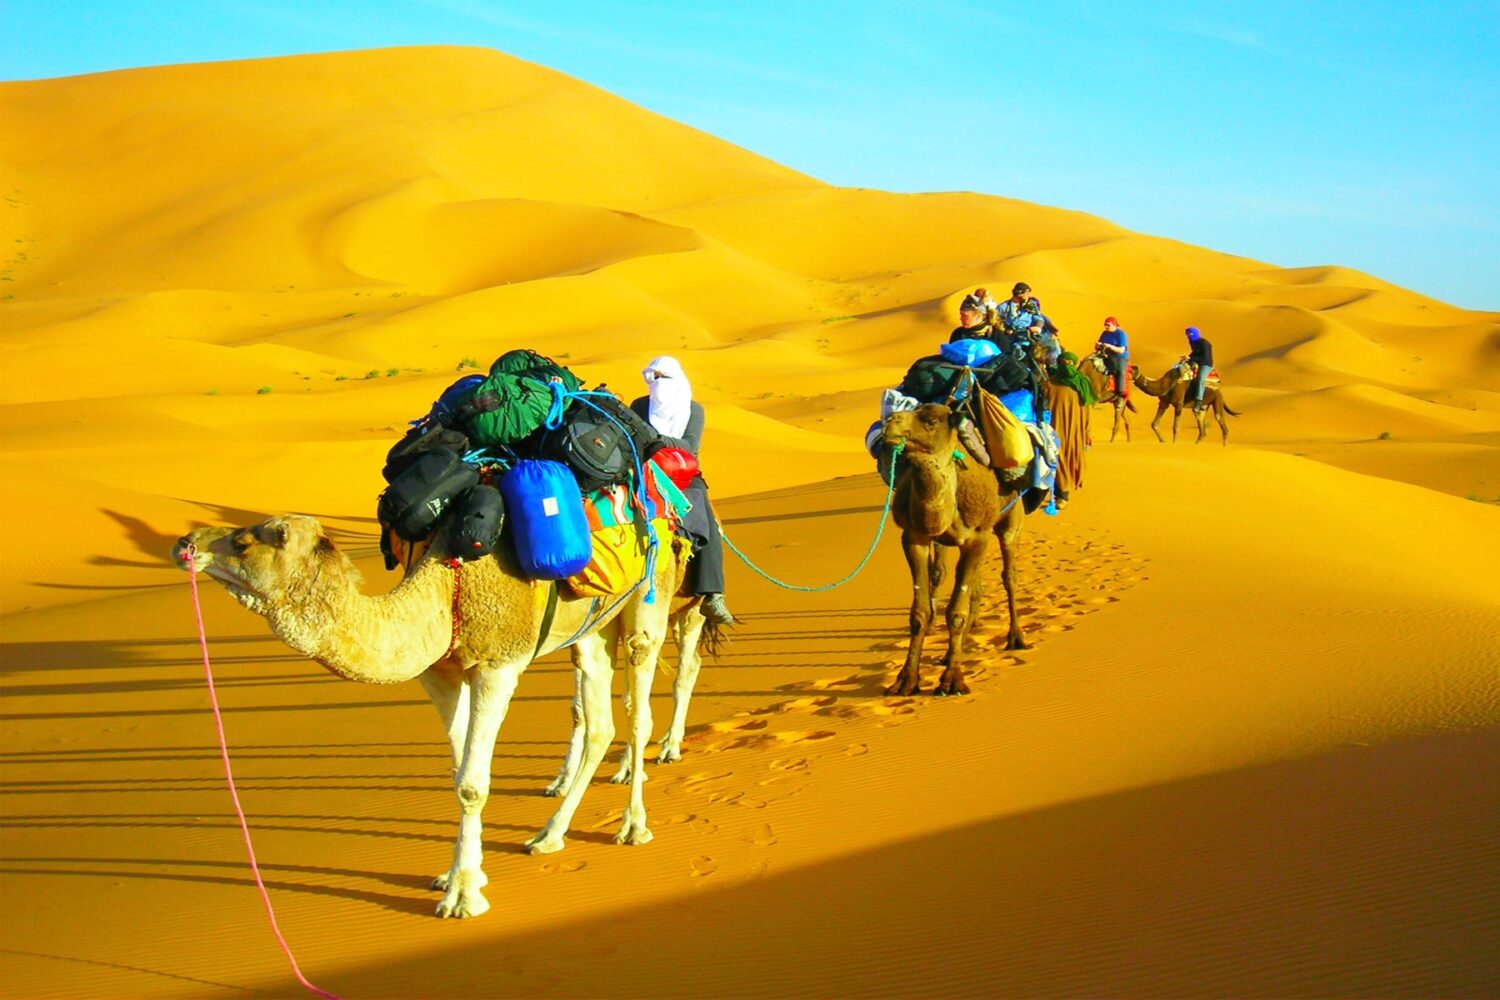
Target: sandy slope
[{"x": 1253, "y": 751}]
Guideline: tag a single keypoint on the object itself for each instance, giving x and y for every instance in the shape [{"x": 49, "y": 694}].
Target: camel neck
[
  {"x": 373, "y": 640},
  {"x": 934, "y": 484}
]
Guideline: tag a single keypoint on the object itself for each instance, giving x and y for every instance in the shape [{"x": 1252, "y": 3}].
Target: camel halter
[{"x": 213, "y": 700}]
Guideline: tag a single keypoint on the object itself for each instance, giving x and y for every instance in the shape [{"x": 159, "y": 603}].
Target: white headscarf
[{"x": 671, "y": 395}]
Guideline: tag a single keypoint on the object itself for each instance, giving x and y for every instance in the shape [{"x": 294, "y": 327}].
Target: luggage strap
[{"x": 548, "y": 614}]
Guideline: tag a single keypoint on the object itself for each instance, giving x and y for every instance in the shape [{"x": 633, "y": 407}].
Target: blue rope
[
  {"x": 885, "y": 511},
  {"x": 561, "y": 393}
]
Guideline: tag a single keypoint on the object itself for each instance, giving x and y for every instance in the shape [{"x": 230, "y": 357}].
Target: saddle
[{"x": 1189, "y": 372}]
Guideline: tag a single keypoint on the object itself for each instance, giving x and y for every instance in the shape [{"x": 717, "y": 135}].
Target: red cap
[{"x": 1111, "y": 319}]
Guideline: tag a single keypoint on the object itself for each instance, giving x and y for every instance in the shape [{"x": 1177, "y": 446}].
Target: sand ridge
[{"x": 1252, "y": 749}]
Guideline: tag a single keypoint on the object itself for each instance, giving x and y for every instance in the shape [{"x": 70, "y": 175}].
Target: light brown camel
[
  {"x": 286, "y": 570},
  {"x": 1092, "y": 367},
  {"x": 944, "y": 504},
  {"x": 1171, "y": 390}
]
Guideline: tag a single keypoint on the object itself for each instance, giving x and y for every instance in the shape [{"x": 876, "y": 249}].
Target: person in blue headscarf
[{"x": 1201, "y": 353}]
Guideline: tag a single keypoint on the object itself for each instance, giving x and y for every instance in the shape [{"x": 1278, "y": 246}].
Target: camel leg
[
  {"x": 449, "y": 692},
  {"x": 1201, "y": 419},
  {"x": 1176, "y": 419},
  {"x": 1124, "y": 420},
  {"x": 689, "y": 627},
  {"x": 626, "y": 771},
  {"x": 1114, "y": 428},
  {"x": 593, "y": 658},
  {"x": 917, "y": 556},
  {"x": 1219, "y": 419},
  {"x": 1009, "y": 531},
  {"x": 564, "y": 779},
  {"x": 643, "y": 646},
  {"x": 491, "y": 687},
  {"x": 939, "y": 569},
  {"x": 1161, "y": 409},
  {"x": 961, "y": 610}
]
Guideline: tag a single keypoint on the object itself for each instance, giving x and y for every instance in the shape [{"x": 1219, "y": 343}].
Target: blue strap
[{"x": 560, "y": 395}]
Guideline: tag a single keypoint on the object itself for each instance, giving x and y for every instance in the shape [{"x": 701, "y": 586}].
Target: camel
[
  {"x": 288, "y": 571},
  {"x": 944, "y": 501},
  {"x": 1171, "y": 390},
  {"x": 1092, "y": 367}
]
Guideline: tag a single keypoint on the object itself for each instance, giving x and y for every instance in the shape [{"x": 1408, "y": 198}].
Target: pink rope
[{"x": 213, "y": 700}]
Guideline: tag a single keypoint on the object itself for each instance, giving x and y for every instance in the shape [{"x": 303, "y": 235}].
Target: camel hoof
[
  {"x": 671, "y": 753},
  {"x": 558, "y": 787},
  {"x": 463, "y": 905},
  {"x": 1016, "y": 642},
  {"x": 543, "y": 844},
  {"x": 899, "y": 690},
  {"x": 440, "y": 883},
  {"x": 622, "y": 777},
  {"x": 634, "y": 834}
]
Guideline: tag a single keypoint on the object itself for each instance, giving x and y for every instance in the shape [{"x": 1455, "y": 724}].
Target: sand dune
[{"x": 1253, "y": 750}]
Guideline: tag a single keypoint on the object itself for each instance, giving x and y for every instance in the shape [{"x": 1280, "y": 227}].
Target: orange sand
[{"x": 1253, "y": 751}]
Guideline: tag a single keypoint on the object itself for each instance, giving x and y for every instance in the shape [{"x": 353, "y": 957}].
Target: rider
[
  {"x": 974, "y": 324},
  {"x": 1021, "y": 316},
  {"x": 671, "y": 409},
  {"x": 1114, "y": 348},
  {"x": 1201, "y": 354}
]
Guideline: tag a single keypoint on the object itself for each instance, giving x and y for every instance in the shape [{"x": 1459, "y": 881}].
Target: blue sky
[{"x": 1362, "y": 134}]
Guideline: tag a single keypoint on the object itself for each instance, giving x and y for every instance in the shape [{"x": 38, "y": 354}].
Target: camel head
[
  {"x": 267, "y": 565},
  {"x": 929, "y": 429}
]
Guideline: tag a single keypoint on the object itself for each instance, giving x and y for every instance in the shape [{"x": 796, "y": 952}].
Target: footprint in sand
[
  {"x": 762, "y": 836},
  {"x": 856, "y": 750},
  {"x": 789, "y": 764},
  {"x": 850, "y": 681},
  {"x": 613, "y": 819},
  {"x": 565, "y": 867},
  {"x": 812, "y": 737},
  {"x": 739, "y": 725},
  {"x": 809, "y": 703},
  {"x": 703, "y": 866}
]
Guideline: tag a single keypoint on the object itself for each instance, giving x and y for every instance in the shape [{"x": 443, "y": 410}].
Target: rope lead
[{"x": 890, "y": 492}]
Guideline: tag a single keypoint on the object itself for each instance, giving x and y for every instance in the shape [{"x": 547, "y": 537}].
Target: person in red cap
[{"x": 1114, "y": 347}]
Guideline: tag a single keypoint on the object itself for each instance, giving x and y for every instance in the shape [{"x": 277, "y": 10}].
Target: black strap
[{"x": 548, "y": 614}]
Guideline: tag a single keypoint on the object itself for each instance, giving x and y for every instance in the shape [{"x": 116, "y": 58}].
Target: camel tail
[
  {"x": 1130, "y": 405},
  {"x": 713, "y": 636},
  {"x": 1232, "y": 413}
]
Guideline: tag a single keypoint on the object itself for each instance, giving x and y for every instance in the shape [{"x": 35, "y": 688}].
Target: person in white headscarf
[{"x": 669, "y": 407}]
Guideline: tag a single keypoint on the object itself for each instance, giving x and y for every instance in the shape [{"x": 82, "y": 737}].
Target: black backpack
[
  {"x": 420, "y": 439},
  {"x": 595, "y": 440},
  {"x": 421, "y": 493},
  {"x": 478, "y": 516}
]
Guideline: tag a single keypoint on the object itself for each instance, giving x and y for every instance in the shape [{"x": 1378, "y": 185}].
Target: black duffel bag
[
  {"x": 422, "y": 492},
  {"x": 595, "y": 440},
  {"x": 476, "y": 521},
  {"x": 421, "y": 439}
]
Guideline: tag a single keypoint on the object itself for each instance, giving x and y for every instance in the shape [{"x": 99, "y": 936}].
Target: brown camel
[
  {"x": 288, "y": 571},
  {"x": 944, "y": 501},
  {"x": 1172, "y": 390},
  {"x": 1092, "y": 367}
]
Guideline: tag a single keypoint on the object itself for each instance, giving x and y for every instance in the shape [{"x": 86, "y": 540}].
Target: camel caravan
[{"x": 527, "y": 515}]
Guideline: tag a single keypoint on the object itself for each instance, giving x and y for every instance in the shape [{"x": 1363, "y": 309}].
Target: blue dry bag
[
  {"x": 971, "y": 353},
  {"x": 1021, "y": 404},
  {"x": 545, "y": 514}
]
